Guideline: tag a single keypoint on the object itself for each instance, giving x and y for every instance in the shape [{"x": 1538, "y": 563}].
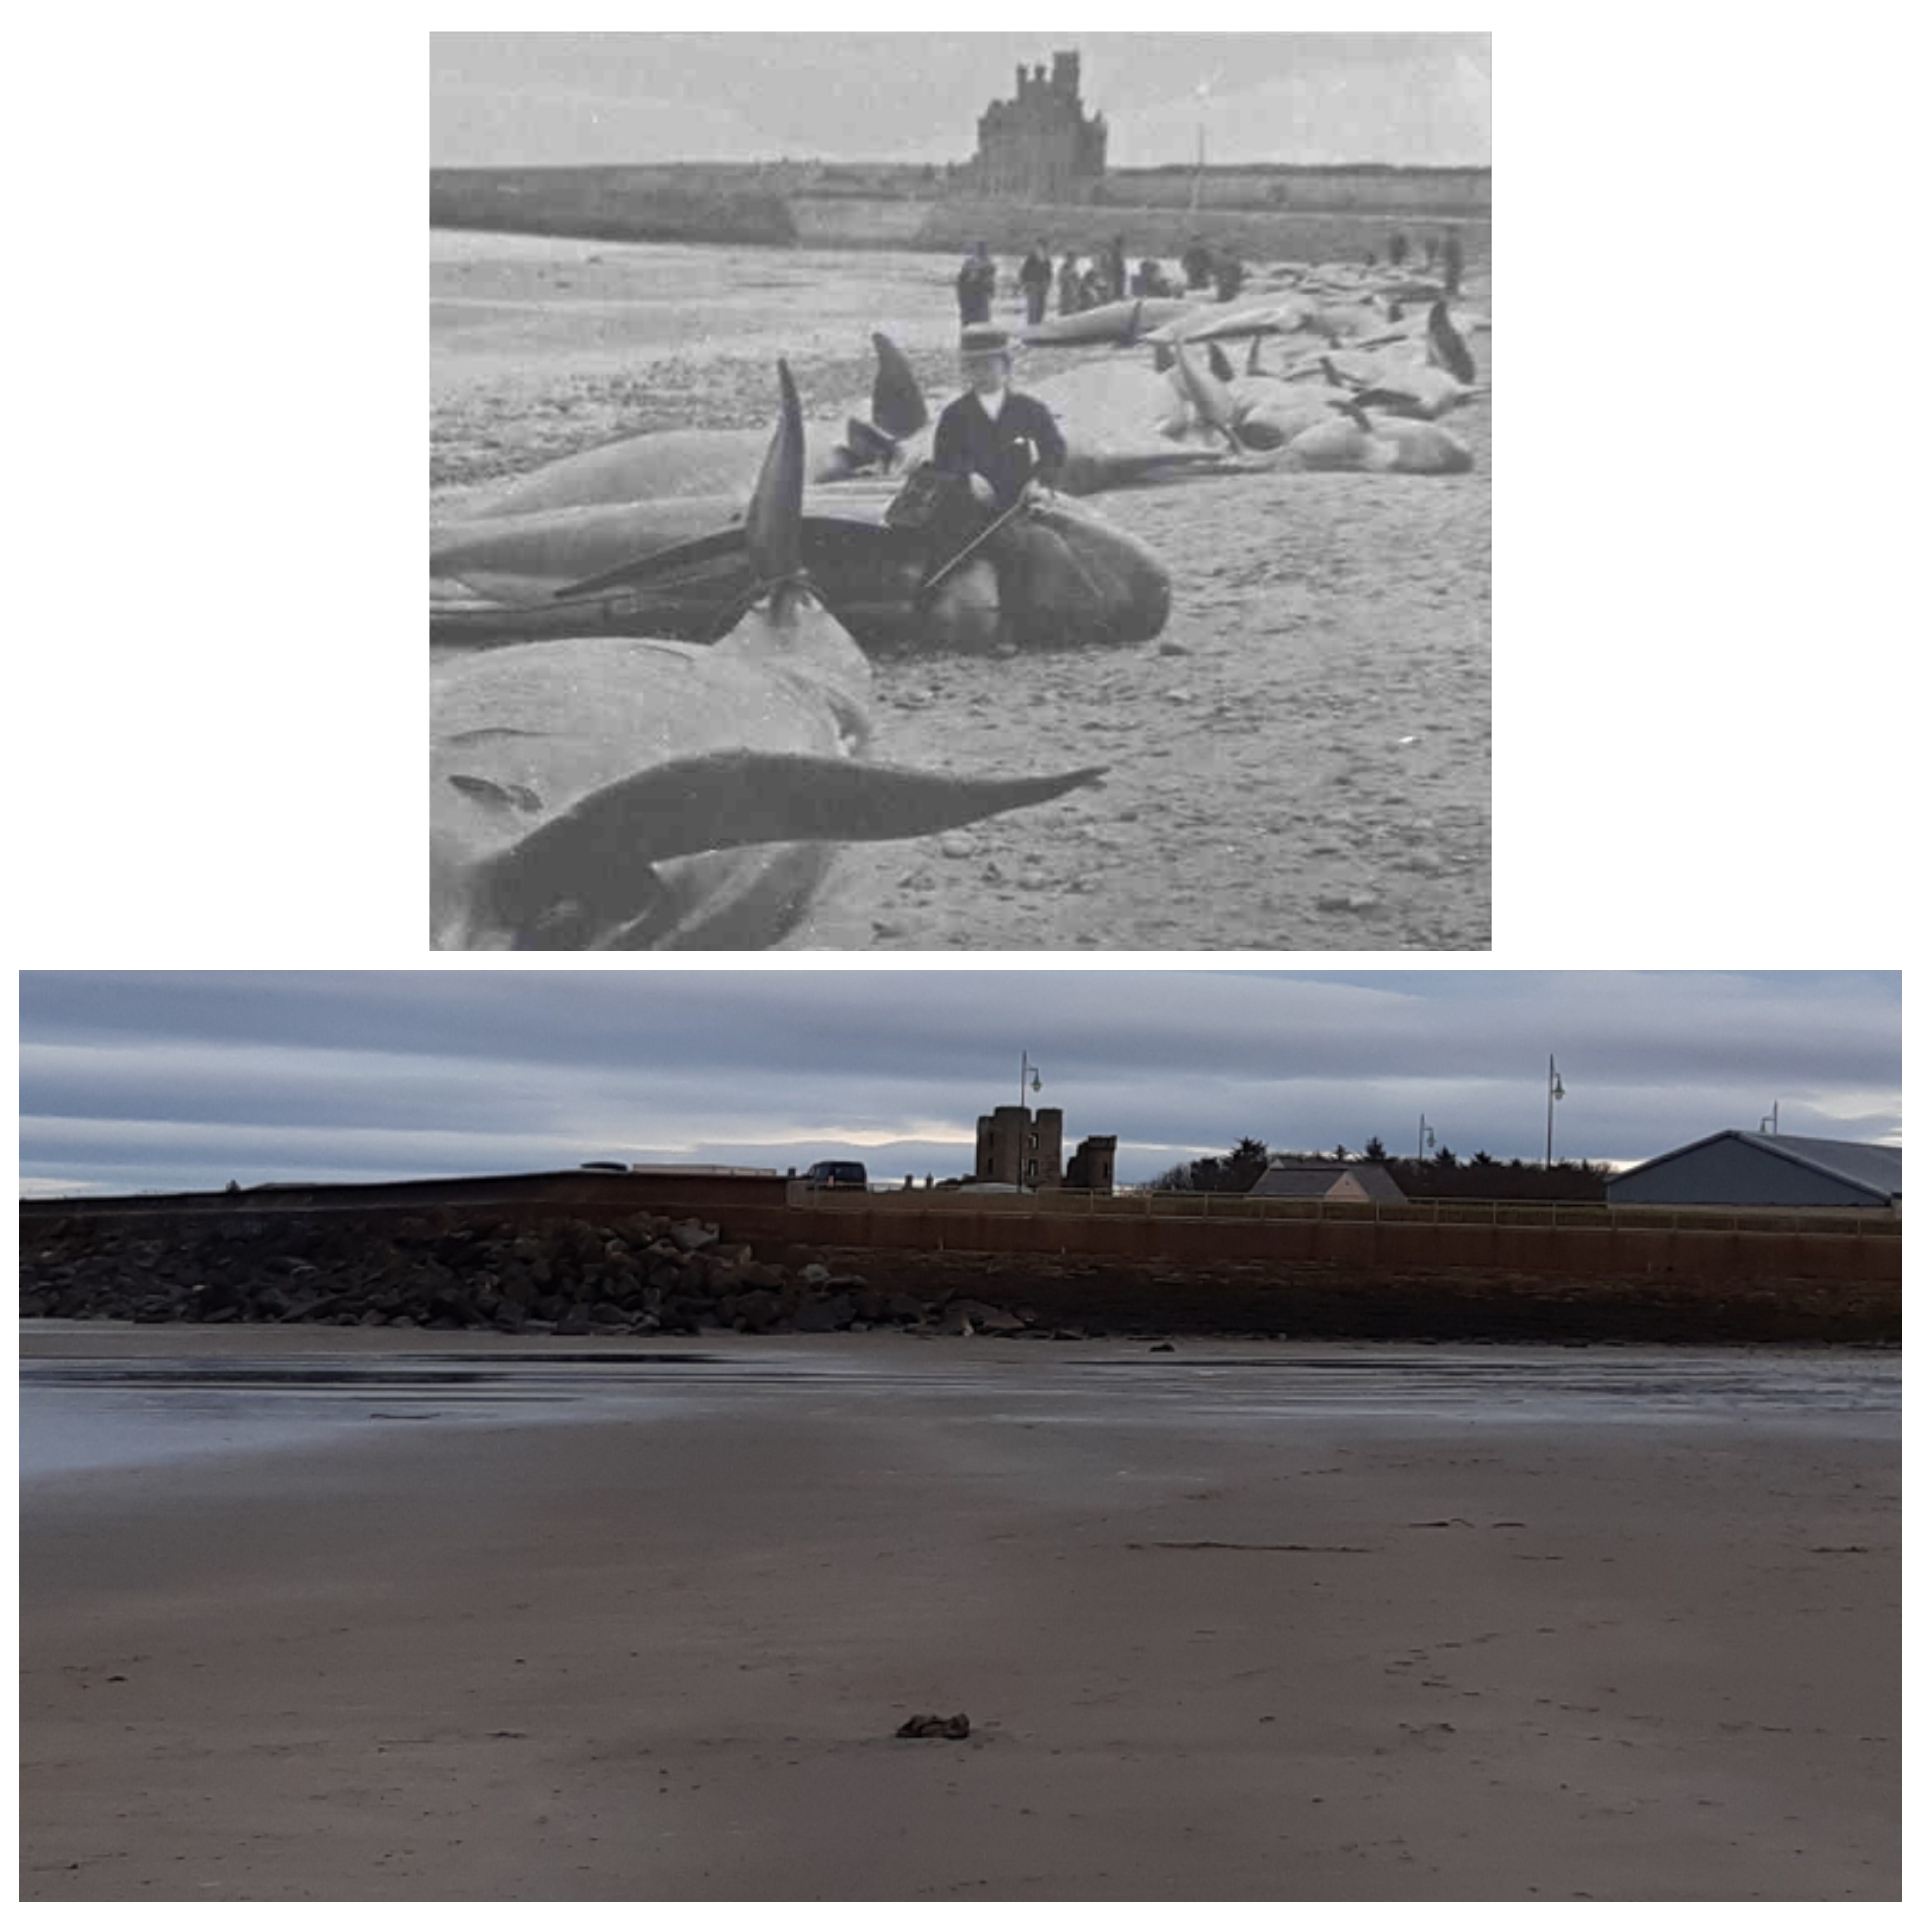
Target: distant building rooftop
[
  {"x": 1375, "y": 1181},
  {"x": 1343, "y": 1180},
  {"x": 1863, "y": 1165}
]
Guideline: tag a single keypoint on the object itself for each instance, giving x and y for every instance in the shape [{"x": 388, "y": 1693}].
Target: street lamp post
[{"x": 1028, "y": 1072}]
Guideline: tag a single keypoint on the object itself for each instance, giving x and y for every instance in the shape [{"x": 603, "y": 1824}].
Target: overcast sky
[
  {"x": 154, "y": 1081},
  {"x": 525, "y": 99}
]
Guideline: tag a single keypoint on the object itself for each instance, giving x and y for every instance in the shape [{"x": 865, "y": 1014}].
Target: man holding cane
[{"x": 1001, "y": 441}]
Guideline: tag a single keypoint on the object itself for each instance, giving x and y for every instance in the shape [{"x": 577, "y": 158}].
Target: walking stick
[{"x": 972, "y": 547}]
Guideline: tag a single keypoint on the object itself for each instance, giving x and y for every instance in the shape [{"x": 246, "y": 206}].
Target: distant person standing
[
  {"x": 1149, "y": 281},
  {"x": 1197, "y": 264},
  {"x": 1450, "y": 253},
  {"x": 1036, "y": 280},
  {"x": 1117, "y": 267},
  {"x": 975, "y": 285},
  {"x": 1228, "y": 275},
  {"x": 1397, "y": 250},
  {"x": 1069, "y": 286}
]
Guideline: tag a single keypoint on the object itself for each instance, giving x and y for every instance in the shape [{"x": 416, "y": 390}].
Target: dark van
[{"x": 837, "y": 1173}]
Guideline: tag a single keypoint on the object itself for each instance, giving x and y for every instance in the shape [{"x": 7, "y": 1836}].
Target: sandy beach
[
  {"x": 1301, "y": 760},
  {"x": 1225, "y": 1628}
]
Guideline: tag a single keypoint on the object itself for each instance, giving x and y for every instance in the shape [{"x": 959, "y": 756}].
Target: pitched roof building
[
  {"x": 1736, "y": 1169},
  {"x": 1299, "y": 1179}
]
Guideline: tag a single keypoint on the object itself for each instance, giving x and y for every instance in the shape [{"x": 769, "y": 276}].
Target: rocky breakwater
[{"x": 644, "y": 1274}]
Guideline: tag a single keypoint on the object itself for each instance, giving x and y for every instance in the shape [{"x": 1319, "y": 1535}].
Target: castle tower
[
  {"x": 1091, "y": 1168},
  {"x": 1040, "y": 145},
  {"x": 1018, "y": 1148}
]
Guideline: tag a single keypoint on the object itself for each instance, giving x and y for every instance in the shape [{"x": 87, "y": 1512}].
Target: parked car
[{"x": 850, "y": 1174}]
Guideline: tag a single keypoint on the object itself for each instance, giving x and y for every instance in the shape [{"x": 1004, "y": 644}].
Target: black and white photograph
[{"x": 920, "y": 491}]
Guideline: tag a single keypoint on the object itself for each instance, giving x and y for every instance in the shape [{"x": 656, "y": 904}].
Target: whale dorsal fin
[
  {"x": 899, "y": 407},
  {"x": 773, "y": 514},
  {"x": 1445, "y": 347}
]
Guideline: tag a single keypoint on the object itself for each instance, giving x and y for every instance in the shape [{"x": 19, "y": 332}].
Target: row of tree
[{"x": 1442, "y": 1175}]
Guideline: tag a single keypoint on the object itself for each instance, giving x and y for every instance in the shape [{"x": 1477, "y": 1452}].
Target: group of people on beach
[
  {"x": 1443, "y": 256},
  {"x": 1075, "y": 285},
  {"x": 1205, "y": 265}
]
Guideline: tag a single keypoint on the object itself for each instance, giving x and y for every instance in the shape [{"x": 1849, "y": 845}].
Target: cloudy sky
[
  {"x": 155, "y": 1081},
  {"x": 524, "y": 99}
]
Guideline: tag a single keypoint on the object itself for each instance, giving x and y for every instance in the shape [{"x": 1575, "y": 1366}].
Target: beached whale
[
  {"x": 1420, "y": 386},
  {"x": 1238, "y": 320},
  {"x": 1060, "y": 574},
  {"x": 638, "y": 793},
  {"x": 1268, "y": 412},
  {"x": 1359, "y": 440},
  {"x": 1114, "y": 323},
  {"x": 1126, "y": 424},
  {"x": 703, "y": 462}
]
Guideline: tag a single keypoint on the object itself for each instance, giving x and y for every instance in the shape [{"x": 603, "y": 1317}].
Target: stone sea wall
[
  {"x": 657, "y": 204},
  {"x": 644, "y": 1272}
]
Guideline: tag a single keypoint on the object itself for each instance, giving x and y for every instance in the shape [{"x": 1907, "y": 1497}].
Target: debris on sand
[
  {"x": 930, "y": 1726},
  {"x": 1235, "y": 1546}
]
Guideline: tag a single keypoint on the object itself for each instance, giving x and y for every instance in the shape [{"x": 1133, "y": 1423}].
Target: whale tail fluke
[{"x": 586, "y": 876}]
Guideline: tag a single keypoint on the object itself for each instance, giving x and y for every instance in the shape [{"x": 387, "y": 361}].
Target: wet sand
[
  {"x": 1215, "y": 1643},
  {"x": 1301, "y": 760}
]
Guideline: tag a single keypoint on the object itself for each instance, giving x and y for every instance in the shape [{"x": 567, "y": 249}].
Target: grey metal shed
[{"x": 1736, "y": 1169}]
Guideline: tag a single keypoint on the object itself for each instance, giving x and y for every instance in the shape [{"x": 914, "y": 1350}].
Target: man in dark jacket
[
  {"x": 1000, "y": 440},
  {"x": 974, "y": 283},
  {"x": 1036, "y": 277},
  {"x": 1009, "y": 450}
]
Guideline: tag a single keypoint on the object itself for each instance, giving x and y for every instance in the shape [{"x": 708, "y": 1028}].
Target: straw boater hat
[{"x": 977, "y": 342}]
